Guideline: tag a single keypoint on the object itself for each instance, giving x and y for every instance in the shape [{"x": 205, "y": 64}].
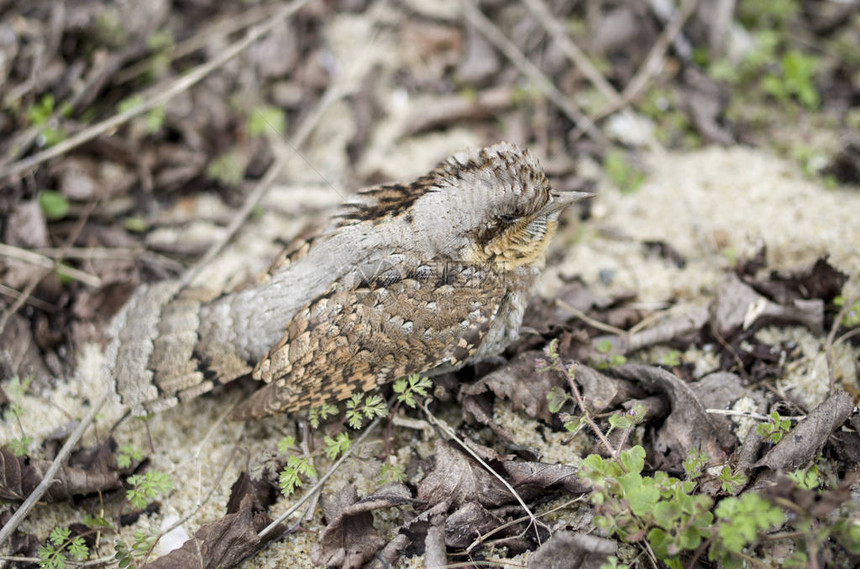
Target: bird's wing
[{"x": 350, "y": 341}]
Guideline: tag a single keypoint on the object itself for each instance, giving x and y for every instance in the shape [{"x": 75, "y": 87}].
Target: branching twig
[
  {"x": 652, "y": 63},
  {"x": 318, "y": 486},
  {"x": 46, "y": 263},
  {"x": 305, "y": 128},
  {"x": 445, "y": 428},
  {"x": 828, "y": 343},
  {"x": 35, "y": 280},
  {"x": 48, "y": 477},
  {"x": 556, "y": 29},
  {"x": 160, "y": 97},
  {"x": 489, "y": 30}
]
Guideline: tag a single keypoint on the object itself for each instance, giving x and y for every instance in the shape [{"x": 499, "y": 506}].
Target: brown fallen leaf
[
  {"x": 571, "y": 550},
  {"x": 688, "y": 427},
  {"x": 350, "y": 540},
  {"x": 803, "y": 443},
  {"x": 816, "y": 280},
  {"x": 535, "y": 478},
  {"x": 221, "y": 544},
  {"x": 457, "y": 479},
  {"x": 19, "y": 476},
  {"x": 519, "y": 383},
  {"x": 738, "y": 306},
  {"x": 469, "y": 522},
  {"x": 682, "y": 328}
]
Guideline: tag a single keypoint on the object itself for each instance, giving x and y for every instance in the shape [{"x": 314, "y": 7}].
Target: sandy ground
[{"x": 712, "y": 205}]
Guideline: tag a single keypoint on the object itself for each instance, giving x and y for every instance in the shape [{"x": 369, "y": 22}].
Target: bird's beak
[{"x": 560, "y": 200}]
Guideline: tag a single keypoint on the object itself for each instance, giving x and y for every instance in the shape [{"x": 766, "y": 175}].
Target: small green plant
[
  {"x": 794, "y": 80},
  {"x": 265, "y": 119},
  {"x": 142, "y": 545},
  {"x": 336, "y": 445},
  {"x": 53, "y": 204},
  {"x": 695, "y": 464},
  {"x": 622, "y": 174},
  {"x": 227, "y": 169},
  {"x": 20, "y": 445},
  {"x": 741, "y": 519},
  {"x": 604, "y": 347},
  {"x": 60, "y": 548},
  {"x": 730, "y": 482},
  {"x": 407, "y": 388},
  {"x": 612, "y": 563},
  {"x": 291, "y": 475},
  {"x": 806, "y": 478},
  {"x": 152, "y": 121},
  {"x": 135, "y": 224},
  {"x": 321, "y": 413},
  {"x": 775, "y": 428},
  {"x": 661, "y": 509},
  {"x": 40, "y": 115},
  {"x": 285, "y": 444},
  {"x": 362, "y": 406},
  {"x": 15, "y": 390},
  {"x": 852, "y": 315},
  {"x": 672, "y": 359},
  {"x": 390, "y": 473},
  {"x": 147, "y": 487},
  {"x": 127, "y": 454}
]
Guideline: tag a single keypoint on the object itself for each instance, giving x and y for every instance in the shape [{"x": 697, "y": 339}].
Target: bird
[{"x": 425, "y": 277}]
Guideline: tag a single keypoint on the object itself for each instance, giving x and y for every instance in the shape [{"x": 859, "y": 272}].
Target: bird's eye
[{"x": 508, "y": 219}]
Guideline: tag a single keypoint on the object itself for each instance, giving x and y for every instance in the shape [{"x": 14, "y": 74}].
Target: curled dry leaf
[
  {"x": 470, "y": 521},
  {"x": 221, "y": 544},
  {"x": 19, "y": 476},
  {"x": 681, "y": 328},
  {"x": 571, "y": 550},
  {"x": 457, "y": 479},
  {"x": 603, "y": 392},
  {"x": 804, "y": 442},
  {"x": 519, "y": 383},
  {"x": 349, "y": 539},
  {"x": 818, "y": 279},
  {"x": 738, "y": 306},
  {"x": 535, "y": 478},
  {"x": 688, "y": 427}
]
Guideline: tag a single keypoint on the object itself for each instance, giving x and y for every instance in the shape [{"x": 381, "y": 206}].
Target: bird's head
[{"x": 491, "y": 206}]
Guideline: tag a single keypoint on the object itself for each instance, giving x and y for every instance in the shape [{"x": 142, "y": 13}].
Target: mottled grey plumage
[{"x": 422, "y": 277}]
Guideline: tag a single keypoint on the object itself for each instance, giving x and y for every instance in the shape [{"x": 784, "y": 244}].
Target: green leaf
[
  {"x": 643, "y": 499},
  {"x": 633, "y": 459},
  {"x": 266, "y": 119},
  {"x": 666, "y": 513},
  {"x": 54, "y": 204}
]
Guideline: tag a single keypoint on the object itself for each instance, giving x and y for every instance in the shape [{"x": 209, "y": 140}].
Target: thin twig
[
  {"x": 489, "y": 30},
  {"x": 577, "y": 313},
  {"x": 756, "y": 416},
  {"x": 828, "y": 343},
  {"x": 108, "y": 253},
  {"x": 160, "y": 97},
  {"x": 46, "y": 263},
  {"x": 483, "y": 538},
  {"x": 652, "y": 63},
  {"x": 35, "y": 280},
  {"x": 556, "y": 29},
  {"x": 318, "y": 486},
  {"x": 29, "y": 299},
  {"x": 445, "y": 428},
  {"x": 281, "y": 157},
  {"x": 217, "y": 30},
  {"x": 48, "y": 477},
  {"x": 586, "y": 415}
]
